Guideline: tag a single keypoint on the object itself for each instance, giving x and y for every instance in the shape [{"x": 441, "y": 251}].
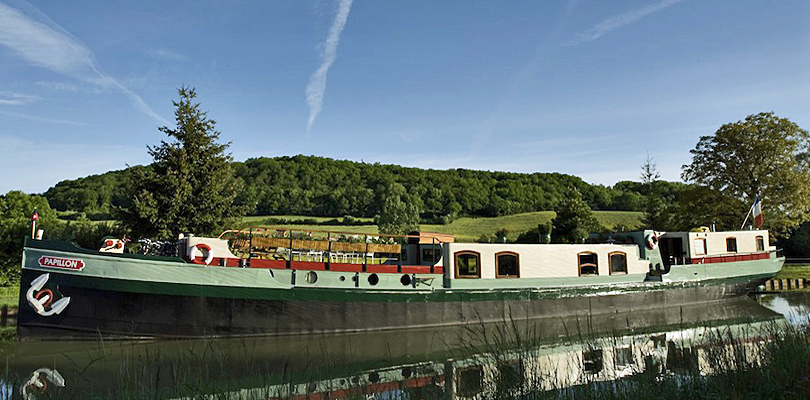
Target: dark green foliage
[
  {"x": 190, "y": 187},
  {"x": 16, "y": 209},
  {"x": 539, "y": 234},
  {"x": 700, "y": 206},
  {"x": 574, "y": 220},
  {"x": 399, "y": 213},
  {"x": 762, "y": 154},
  {"x": 655, "y": 210},
  {"x": 798, "y": 245},
  {"x": 318, "y": 186},
  {"x": 98, "y": 196}
]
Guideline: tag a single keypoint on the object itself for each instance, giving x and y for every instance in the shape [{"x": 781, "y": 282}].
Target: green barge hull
[{"x": 86, "y": 295}]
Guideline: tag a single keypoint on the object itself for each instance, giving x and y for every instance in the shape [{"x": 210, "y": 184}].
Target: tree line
[{"x": 319, "y": 186}]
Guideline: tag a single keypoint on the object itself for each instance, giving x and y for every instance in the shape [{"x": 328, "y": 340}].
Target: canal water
[{"x": 473, "y": 361}]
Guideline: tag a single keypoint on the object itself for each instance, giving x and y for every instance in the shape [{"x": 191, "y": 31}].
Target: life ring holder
[
  {"x": 652, "y": 241},
  {"x": 209, "y": 254}
]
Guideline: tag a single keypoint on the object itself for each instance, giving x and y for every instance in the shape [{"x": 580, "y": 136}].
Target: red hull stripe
[
  {"x": 320, "y": 266},
  {"x": 730, "y": 258}
]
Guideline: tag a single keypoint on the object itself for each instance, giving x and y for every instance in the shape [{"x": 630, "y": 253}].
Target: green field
[{"x": 468, "y": 228}]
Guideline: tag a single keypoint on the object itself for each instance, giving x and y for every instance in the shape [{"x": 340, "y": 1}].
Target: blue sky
[{"x": 580, "y": 87}]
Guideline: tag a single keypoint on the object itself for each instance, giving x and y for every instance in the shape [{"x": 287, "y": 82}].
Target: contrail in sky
[
  {"x": 317, "y": 82},
  {"x": 41, "y": 41},
  {"x": 620, "y": 21}
]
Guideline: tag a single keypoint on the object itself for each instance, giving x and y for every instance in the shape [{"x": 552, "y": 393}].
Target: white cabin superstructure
[{"x": 679, "y": 248}]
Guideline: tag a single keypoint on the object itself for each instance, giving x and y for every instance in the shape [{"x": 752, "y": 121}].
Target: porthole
[
  {"x": 311, "y": 277},
  {"x": 405, "y": 280},
  {"x": 373, "y": 279},
  {"x": 342, "y": 278}
]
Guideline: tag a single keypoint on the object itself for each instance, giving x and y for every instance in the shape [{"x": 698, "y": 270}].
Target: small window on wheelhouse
[
  {"x": 431, "y": 255},
  {"x": 588, "y": 264},
  {"x": 700, "y": 247},
  {"x": 760, "y": 243},
  {"x": 468, "y": 264},
  {"x": 731, "y": 245},
  {"x": 618, "y": 263},
  {"x": 507, "y": 264}
]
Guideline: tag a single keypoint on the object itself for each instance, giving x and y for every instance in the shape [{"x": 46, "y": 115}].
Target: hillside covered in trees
[{"x": 318, "y": 186}]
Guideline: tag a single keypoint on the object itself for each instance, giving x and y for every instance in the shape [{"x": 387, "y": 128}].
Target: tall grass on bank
[{"x": 771, "y": 361}]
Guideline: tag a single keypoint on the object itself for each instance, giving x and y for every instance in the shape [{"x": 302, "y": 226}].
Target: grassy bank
[
  {"x": 795, "y": 271},
  {"x": 9, "y": 295},
  {"x": 466, "y": 228}
]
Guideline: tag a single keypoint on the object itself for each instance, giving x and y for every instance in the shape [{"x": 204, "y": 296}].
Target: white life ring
[
  {"x": 209, "y": 254},
  {"x": 652, "y": 241}
]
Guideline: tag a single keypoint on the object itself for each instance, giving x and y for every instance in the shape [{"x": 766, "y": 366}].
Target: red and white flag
[{"x": 757, "y": 211}]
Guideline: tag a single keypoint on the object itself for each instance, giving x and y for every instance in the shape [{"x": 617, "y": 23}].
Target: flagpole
[{"x": 747, "y": 215}]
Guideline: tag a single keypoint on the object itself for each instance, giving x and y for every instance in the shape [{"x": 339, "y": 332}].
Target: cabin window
[
  {"x": 731, "y": 245},
  {"x": 469, "y": 381},
  {"x": 588, "y": 264},
  {"x": 404, "y": 255},
  {"x": 700, "y": 247},
  {"x": 431, "y": 254},
  {"x": 510, "y": 376},
  {"x": 592, "y": 361},
  {"x": 507, "y": 264},
  {"x": 618, "y": 263},
  {"x": 468, "y": 264},
  {"x": 760, "y": 243},
  {"x": 622, "y": 357}
]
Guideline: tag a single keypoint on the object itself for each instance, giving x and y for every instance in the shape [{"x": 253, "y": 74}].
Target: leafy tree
[
  {"x": 761, "y": 154},
  {"x": 16, "y": 209},
  {"x": 539, "y": 234},
  {"x": 574, "y": 220},
  {"x": 397, "y": 216},
  {"x": 655, "y": 216},
  {"x": 190, "y": 187},
  {"x": 798, "y": 245}
]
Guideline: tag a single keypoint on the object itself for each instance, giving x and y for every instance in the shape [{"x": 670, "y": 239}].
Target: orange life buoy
[{"x": 209, "y": 254}]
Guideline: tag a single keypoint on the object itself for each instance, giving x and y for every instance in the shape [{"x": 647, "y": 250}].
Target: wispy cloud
[
  {"x": 16, "y": 99},
  {"x": 41, "y": 41},
  {"x": 60, "y": 86},
  {"x": 166, "y": 54},
  {"x": 42, "y": 119},
  {"x": 317, "y": 82},
  {"x": 620, "y": 21}
]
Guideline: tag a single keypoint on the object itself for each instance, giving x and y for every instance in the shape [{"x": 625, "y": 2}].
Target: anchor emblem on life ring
[{"x": 42, "y": 300}]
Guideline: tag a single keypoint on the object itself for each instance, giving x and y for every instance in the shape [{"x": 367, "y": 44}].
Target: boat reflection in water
[{"x": 474, "y": 361}]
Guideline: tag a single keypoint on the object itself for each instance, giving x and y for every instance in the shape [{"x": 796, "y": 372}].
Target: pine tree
[
  {"x": 190, "y": 187},
  {"x": 655, "y": 216}
]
